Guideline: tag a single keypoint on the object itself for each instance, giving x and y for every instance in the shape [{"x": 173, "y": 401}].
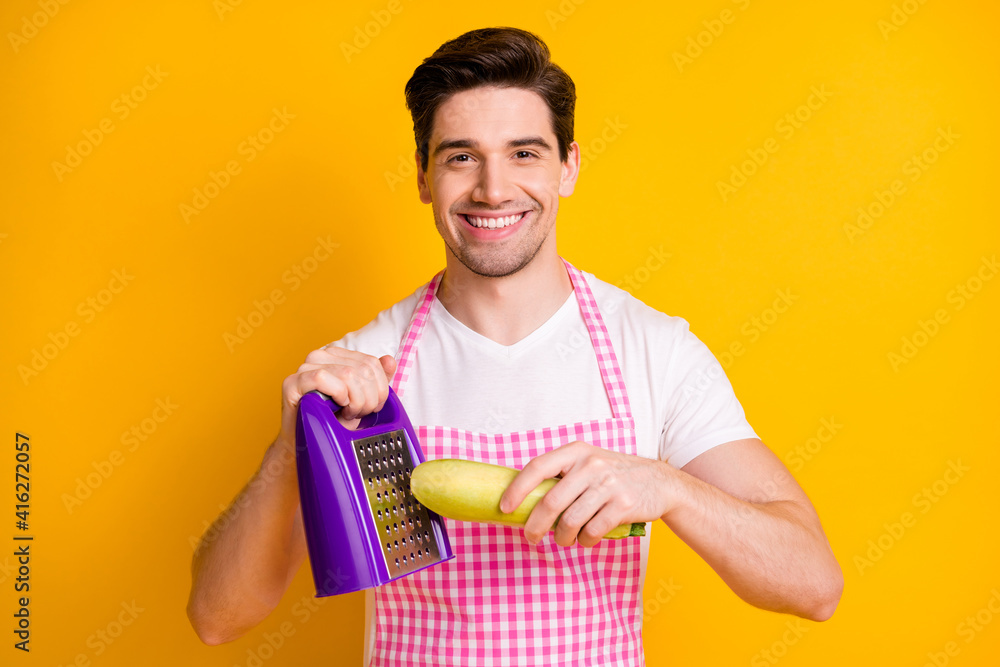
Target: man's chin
[{"x": 500, "y": 267}]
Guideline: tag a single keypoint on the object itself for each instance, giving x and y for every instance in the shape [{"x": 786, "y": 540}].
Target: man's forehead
[{"x": 498, "y": 114}]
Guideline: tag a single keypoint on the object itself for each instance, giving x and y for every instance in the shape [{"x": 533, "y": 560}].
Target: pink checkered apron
[{"x": 502, "y": 600}]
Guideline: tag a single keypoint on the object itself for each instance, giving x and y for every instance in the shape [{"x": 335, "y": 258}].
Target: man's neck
[{"x": 507, "y": 309}]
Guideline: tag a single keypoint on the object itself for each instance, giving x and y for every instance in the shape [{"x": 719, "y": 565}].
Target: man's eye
[
  {"x": 524, "y": 154},
  {"x": 461, "y": 157}
]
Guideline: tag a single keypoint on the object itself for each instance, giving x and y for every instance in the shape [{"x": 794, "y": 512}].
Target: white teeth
[{"x": 493, "y": 223}]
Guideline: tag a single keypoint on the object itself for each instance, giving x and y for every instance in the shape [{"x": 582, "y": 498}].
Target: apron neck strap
[{"x": 607, "y": 361}]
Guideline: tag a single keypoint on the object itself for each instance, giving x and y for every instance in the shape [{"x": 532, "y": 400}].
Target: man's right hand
[{"x": 357, "y": 382}]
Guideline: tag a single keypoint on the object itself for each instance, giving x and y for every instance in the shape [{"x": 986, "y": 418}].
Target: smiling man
[{"x": 478, "y": 357}]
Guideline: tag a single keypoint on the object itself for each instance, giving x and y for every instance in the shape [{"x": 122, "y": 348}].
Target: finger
[
  {"x": 546, "y": 513},
  {"x": 330, "y": 354},
  {"x": 550, "y": 464},
  {"x": 341, "y": 383},
  {"x": 363, "y": 375},
  {"x": 323, "y": 378},
  {"x": 604, "y": 521},
  {"x": 308, "y": 367},
  {"x": 388, "y": 365},
  {"x": 553, "y": 504},
  {"x": 320, "y": 356},
  {"x": 362, "y": 390},
  {"x": 367, "y": 375},
  {"x": 579, "y": 515},
  {"x": 575, "y": 504}
]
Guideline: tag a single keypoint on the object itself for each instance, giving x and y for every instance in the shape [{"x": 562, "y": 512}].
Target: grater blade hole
[{"x": 390, "y": 462}]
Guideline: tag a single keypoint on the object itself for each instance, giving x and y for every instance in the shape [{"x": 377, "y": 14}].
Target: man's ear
[
  {"x": 425, "y": 191},
  {"x": 570, "y": 170}
]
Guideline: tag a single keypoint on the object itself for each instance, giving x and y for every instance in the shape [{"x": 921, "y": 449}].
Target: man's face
[{"x": 494, "y": 178}]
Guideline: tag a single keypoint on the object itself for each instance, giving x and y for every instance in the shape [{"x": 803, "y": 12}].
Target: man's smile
[{"x": 498, "y": 220}]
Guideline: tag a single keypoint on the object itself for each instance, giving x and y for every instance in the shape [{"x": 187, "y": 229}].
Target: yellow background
[{"x": 333, "y": 170}]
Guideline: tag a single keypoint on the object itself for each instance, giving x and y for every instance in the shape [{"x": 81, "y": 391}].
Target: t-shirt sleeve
[{"x": 702, "y": 410}]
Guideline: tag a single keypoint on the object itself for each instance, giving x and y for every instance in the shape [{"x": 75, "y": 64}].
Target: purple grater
[{"x": 363, "y": 526}]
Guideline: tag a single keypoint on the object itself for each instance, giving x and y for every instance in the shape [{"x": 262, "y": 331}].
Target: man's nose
[{"x": 494, "y": 185}]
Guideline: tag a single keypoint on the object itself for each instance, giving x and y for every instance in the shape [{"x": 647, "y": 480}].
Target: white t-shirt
[{"x": 681, "y": 400}]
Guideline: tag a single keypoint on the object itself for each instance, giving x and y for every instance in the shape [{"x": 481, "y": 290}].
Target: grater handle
[{"x": 388, "y": 418}]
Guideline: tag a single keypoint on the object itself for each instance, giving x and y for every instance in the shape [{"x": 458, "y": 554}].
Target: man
[{"x": 483, "y": 353}]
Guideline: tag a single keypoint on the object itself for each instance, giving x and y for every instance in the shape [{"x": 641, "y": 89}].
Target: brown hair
[{"x": 503, "y": 57}]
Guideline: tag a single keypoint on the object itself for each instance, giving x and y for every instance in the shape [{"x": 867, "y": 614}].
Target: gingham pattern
[{"x": 501, "y": 600}]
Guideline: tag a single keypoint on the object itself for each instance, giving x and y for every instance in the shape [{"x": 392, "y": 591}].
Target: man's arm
[
  {"x": 736, "y": 505},
  {"x": 741, "y": 510},
  {"x": 251, "y": 554}
]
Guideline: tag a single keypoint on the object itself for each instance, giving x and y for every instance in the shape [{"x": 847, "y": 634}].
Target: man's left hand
[{"x": 599, "y": 490}]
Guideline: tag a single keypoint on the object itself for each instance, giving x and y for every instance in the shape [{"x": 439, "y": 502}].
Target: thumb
[{"x": 388, "y": 365}]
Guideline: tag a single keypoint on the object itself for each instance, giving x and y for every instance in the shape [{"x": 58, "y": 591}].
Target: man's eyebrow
[
  {"x": 470, "y": 143},
  {"x": 529, "y": 141},
  {"x": 455, "y": 143}
]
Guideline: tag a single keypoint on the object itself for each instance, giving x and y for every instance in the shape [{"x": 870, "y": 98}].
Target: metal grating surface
[{"x": 403, "y": 524}]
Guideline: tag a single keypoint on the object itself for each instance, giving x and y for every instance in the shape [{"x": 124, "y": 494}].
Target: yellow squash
[{"x": 471, "y": 491}]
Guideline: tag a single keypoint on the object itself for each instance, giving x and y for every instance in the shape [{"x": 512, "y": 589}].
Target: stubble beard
[{"x": 500, "y": 262}]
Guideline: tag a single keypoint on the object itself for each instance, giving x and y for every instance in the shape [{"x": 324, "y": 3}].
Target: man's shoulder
[{"x": 621, "y": 308}]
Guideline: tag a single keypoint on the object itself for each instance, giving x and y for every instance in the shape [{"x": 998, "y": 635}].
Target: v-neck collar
[{"x": 505, "y": 351}]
